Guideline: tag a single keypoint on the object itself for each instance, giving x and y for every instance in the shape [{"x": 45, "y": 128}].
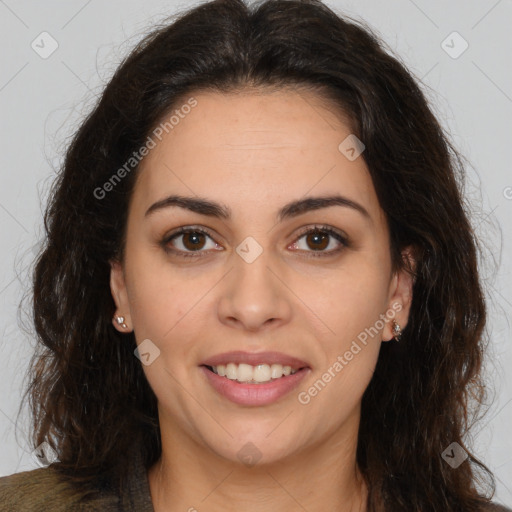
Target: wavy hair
[{"x": 88, "y": 394}]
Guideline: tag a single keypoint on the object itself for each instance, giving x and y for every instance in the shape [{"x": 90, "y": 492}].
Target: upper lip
[{"x": 255, "y": 358}]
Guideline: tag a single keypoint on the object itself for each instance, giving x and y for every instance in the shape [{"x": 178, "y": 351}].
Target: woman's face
[{"x": 252, "y": 280}]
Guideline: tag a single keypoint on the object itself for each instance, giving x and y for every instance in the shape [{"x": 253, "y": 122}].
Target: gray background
[{"x": 42, "y": 101}]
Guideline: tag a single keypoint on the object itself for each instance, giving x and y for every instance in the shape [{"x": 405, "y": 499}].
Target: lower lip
[{"x": 254, "y": 394}]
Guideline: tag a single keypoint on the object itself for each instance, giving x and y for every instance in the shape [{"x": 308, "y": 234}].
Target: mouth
[
  {"x": 249, "y": 374},
  {"x": 253, "y": 386}
]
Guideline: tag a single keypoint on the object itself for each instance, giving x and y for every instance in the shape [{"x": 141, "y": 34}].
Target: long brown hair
[{"x": 89, "y": 397}]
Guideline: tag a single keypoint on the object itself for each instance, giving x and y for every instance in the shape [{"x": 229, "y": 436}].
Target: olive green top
[{"x": 42, "y": 490}]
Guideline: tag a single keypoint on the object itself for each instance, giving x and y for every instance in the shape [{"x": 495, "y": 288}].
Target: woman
[{"x": 260, "y": 199}]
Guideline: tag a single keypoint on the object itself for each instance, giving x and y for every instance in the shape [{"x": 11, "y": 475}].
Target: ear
[
  {"x": 399, "y": 304},
  {"x": 120, "y": 296}
]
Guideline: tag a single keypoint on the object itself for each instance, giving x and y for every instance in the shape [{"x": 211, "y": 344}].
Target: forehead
[{"x": 242, "y": 148}]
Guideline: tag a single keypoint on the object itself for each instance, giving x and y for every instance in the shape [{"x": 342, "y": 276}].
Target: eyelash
[{"x": 199, "y": 254}]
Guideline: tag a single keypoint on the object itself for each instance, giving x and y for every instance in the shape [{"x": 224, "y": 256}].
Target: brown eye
[
  {"x": 317, "y": 241},
  {"x": 193, "y": 240},
  {"x": 189, "y": 241}
]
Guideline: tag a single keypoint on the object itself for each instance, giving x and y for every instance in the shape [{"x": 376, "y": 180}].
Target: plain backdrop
[{"x": 459, "y": 50}]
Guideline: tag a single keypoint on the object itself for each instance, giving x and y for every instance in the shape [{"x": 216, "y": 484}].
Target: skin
[{"x": 253, "y": 152}]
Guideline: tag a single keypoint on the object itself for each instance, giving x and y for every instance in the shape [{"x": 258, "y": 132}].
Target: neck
[{"x": 323, "y": 477}]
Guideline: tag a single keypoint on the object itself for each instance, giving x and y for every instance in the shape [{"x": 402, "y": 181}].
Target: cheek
[
  {"x": 349, "y": 300},
  {"x": 350, "y": 304},
  {"x": 159, "y": 299},
  {"x": 159, "y": 311}
]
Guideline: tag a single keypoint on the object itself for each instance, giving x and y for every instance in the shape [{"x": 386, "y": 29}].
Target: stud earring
[
  {"x": 397, "y": 331},
  {"x": 120, "y": 321}
]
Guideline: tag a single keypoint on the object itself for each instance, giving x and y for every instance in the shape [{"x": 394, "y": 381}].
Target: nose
[{"x": 253, "y": 297}]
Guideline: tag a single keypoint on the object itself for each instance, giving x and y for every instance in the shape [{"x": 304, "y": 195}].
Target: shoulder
[
  {"x": 39, "y": 489},
  {"x": 45, "y": 489}
]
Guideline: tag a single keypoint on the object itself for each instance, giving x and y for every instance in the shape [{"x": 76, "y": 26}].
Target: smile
[
  {"x": 253, "y": 374},
  {"x": 251, "y": 392}
]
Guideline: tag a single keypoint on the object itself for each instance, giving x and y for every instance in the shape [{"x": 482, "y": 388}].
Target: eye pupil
[
  {"x": 194, "y": 238},
  {"x": 317, "y": 238}
]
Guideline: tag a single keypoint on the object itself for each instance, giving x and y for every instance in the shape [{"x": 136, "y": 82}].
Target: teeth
[{"x": 253, "y": 374}]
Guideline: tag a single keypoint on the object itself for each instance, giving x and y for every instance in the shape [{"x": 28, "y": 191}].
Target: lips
[
  {"x": 254, "y": 359},
  {"x": 254, "y": 395}
]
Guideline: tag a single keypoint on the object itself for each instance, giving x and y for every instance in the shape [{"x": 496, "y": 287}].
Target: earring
[
  {"x": 397, "y": 331},
  {"x": 120, "y": 321}
]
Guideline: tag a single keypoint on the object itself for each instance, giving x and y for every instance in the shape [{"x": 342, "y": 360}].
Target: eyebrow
[{"x": 204, "y": 206}]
